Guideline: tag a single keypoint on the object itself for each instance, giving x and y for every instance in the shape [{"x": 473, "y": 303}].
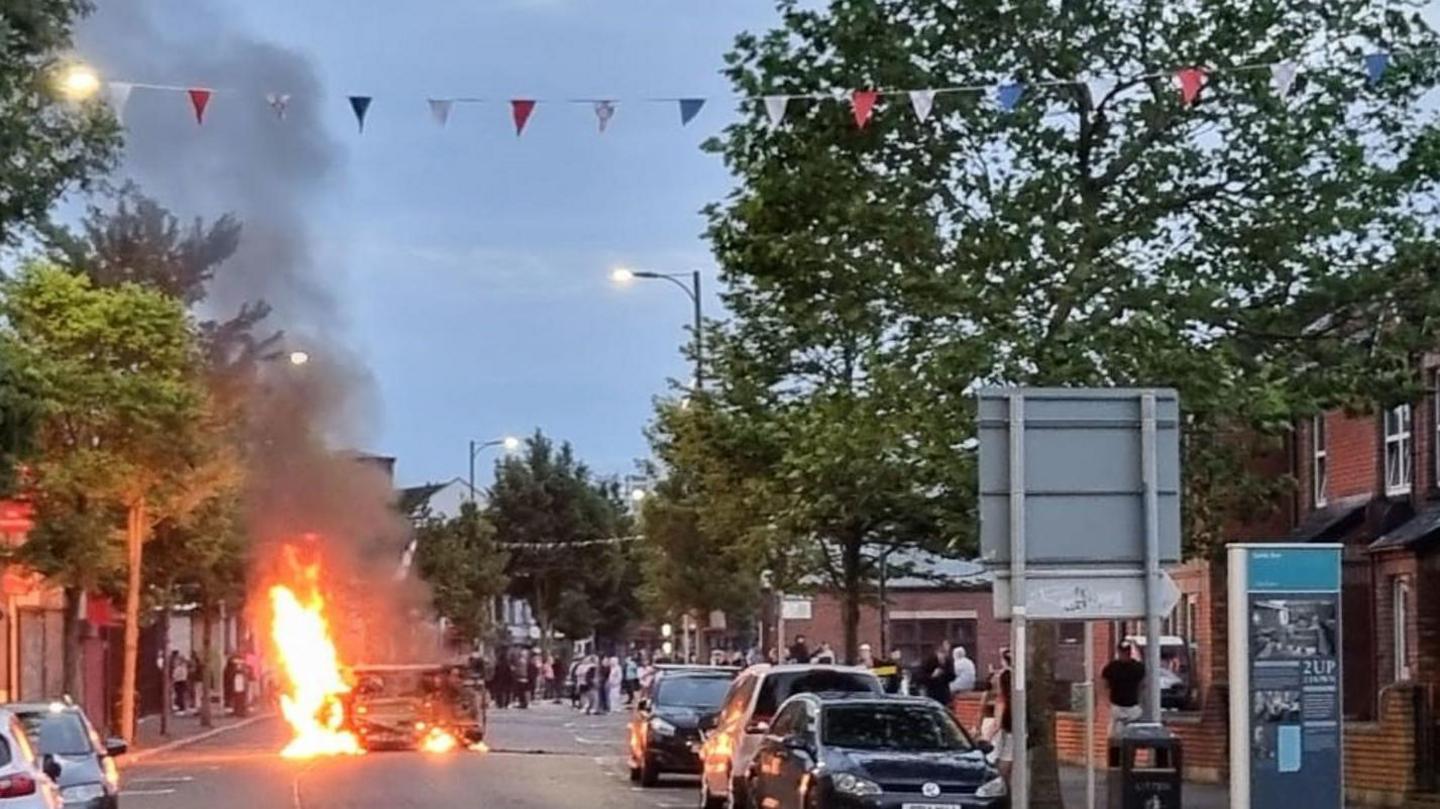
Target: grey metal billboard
[{"x": 1084, "y": 497}]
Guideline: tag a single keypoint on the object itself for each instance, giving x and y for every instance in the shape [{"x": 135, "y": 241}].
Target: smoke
[{"x": 273, "y": 174}]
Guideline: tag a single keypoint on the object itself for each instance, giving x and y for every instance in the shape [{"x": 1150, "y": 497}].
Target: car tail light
[{"x": 17, "y": 786}]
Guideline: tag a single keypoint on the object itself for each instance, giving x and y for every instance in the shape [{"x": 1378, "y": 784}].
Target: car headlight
[
  {"x": 994, "y": 788},
  {"x": 82, "y": 792},
  {"x": 661, "y": 728},
  {"x": 854, "y": 785}
]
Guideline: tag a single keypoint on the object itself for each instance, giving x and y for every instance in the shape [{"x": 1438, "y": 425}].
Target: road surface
[{"x": 548, "y": 756}]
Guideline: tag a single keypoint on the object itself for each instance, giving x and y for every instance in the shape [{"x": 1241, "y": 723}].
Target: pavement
[
  {"x": 182, "y": 730},
  {"x": 547, "y": 756}
]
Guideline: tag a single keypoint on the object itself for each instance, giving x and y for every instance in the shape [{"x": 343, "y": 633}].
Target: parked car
[
  {"x": 62, "y": 732},
  {"x": 665, "y": 727},
  {"x": 853, "y": 751},
  {"x": 734, "y": 734},
  {"x": 27, "y": 778}
]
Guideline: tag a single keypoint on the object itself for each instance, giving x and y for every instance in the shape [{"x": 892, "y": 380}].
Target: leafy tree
[
  {"x": 50, "y": 144},
  {"x": 18, "y": 412},
  {"x": 548, "y": 513},
  {"x": 1268, "y": 255},
  {"x": 458, "y": 557},
  {"x": 123, "y": 433}
]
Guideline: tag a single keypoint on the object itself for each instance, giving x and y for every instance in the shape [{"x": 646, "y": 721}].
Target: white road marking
[
  {"x": 147, "y": 792},
  {"x": 179, "y": 779},
  {"x": 583, "y": 740}
]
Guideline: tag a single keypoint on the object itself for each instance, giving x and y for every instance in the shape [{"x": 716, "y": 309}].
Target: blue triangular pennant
[
  {"x": 1009, "y": 95},
  {"x": 361, "y": 105},
  {"x": 689, "y": 108},
  {"x": 1375, "y": 65}
]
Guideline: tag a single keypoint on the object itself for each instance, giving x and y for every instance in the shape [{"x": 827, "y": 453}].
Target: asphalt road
[{"x": 548, "y": 756}]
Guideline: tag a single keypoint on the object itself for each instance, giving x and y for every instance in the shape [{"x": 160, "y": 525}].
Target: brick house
[{"x": 928, "y": 599}]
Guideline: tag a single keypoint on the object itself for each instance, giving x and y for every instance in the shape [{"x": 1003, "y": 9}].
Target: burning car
[{"x": 416, "y": 707}]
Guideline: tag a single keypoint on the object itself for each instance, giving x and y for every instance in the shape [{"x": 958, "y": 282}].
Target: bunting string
[{"x": 1008, "y": 96}]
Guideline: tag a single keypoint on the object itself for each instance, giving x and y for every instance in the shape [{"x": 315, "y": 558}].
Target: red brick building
[{"x": 927, "y": 600}]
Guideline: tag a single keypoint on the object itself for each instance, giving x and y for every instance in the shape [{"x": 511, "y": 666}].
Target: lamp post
[
  {"x": 692, "y": 289},
  {"x": 509, "y": 442}
]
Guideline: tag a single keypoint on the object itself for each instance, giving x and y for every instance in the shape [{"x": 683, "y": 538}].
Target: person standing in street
[
  {"x": 603, "y": 673},
  {"x": 520, "y": 679},
  {"x": 631, "y": 682},
  {"x": 799, "y": 652},
  {"x": 179, "y": 682},
  {"x": 964, "y": 672},
  {"x": 1123, "y": 677},
  {"x": 934, "y": 674},
  {"x": 824, "y": 655}
]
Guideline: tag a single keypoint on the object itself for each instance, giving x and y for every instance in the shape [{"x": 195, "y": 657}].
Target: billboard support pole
[
  {"x": 1152, "y": 556},
  {"x": 1089, "y": 715},
  {"x": 1020, "y": 767}
]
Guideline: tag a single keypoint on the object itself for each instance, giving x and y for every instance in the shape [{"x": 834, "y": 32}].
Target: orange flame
[
  {"x": 438, "y": 741},
  {"x": 314, "y": 680},
  {"x": 479, "y": 747}
]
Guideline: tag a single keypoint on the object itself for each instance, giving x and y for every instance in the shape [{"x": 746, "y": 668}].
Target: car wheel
[
  {"x": 649, "y": 773},
  {"x": 634, "y": 774}
]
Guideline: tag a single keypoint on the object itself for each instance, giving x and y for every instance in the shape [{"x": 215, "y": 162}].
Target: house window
[
  {"x": 1319, "y": 467},
  {"x": 1397, "y": 450},
  {"x": 1400, "y": 609}
]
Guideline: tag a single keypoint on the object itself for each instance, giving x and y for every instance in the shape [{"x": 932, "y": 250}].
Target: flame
[
  {"x": 314, "y": 680},
  {"x": 479, "y": 747},
  {"x": 438, "y": 741}
]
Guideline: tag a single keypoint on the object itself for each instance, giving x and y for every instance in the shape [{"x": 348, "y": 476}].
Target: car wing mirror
[
  {"x": 984, "y": 747},
  {"x": 50, "y": 766},
  {"x": 116, "y": 747},
  {"x": 796, "y": 742}
]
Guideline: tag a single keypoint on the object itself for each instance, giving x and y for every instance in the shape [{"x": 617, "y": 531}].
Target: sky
[{"x": 467, "y": 269}]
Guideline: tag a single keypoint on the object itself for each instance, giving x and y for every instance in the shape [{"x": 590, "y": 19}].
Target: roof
[
  {"x": 412, "y": 498},
  {"x": 1332, "y": 520},
  {"x": 1417, "y": 532}
]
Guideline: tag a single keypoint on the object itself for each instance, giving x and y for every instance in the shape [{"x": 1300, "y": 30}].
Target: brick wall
[
  {"x": 1380, "y": 756},
  {"x": 827, "y": 624}
]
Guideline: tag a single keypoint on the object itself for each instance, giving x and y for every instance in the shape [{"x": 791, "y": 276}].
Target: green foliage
[
  {"x": 50, "y": 145},
  {"x": 458, "y": 558},
  {"x": 18, "y": 413},
  {"x": 544, "y": 502},
  {"x": 114, "y": 374}
]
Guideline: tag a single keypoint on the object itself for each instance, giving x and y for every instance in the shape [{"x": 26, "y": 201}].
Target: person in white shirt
[{"x": 964, "y": 672}]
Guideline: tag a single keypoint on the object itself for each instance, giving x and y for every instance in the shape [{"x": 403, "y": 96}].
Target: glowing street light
[
  {"x": 79, "y": 82},
  {"x": 299, "y": 357},
  {"x": 623, "y": 276},
  {"x": 509, "y": 443},
  {"x": 620, "y": 275},
  {"x": 638, "y": 494}
]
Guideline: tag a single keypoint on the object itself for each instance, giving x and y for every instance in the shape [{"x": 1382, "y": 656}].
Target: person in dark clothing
[
  {"x": 520, "y": 679},
  {"x": 503, "y": 681},
  {"x": 799, "y": 652},
  {"x": 1123, "y": 677},
  {"x": 934, "y": 674}
]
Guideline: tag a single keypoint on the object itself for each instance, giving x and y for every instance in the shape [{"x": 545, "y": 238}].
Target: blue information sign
[{"x": 1285, "y": 745}]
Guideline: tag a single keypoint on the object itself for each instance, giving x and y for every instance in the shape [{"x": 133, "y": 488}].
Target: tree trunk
[
  {"x": 167, "y": 676},
  {"x": 850, "y": 616},
  {"x": 1044, "y": 759},
  {"x": 134, "y": 550},
  {"x": 207, "y": 668},
  {"x": 74, "y": 599}
]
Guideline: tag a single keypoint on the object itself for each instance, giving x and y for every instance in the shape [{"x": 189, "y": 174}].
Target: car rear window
[
  {"x": 782, "y": 686},
  {"x": 57, "y": 733},
  {"x": 896, "y": 726},
  {"x": 692, "y": 692}
]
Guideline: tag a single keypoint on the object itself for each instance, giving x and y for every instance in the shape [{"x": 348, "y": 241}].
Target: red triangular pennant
[
  {"x": 1191, "y": 80},
  {"x": 199, "y": 99},
  {"x": 863, "y": 102},
  {"x": 520, "y": 109}
]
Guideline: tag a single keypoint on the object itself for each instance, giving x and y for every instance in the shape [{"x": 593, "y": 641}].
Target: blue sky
[{"x": 469, "y": 267}]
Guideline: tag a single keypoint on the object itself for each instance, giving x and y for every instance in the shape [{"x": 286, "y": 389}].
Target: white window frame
[
  {"x": 1399, "y": 464},
  {"x": 1319, "y": 460},
  {"x": 1400, "y": 618}
]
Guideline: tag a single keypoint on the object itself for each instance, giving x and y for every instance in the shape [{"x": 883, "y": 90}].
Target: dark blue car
[
  {"x": 61, "y": 732},
  {"x": 860, "y": 751}
]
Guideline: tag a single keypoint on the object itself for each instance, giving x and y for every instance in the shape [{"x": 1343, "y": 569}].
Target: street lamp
[
  {"x": 299, "y": 357},
  {"x": 638, "y": 495},
  {"x": 623, "y": 275},
  {"x": 79, "y": 82},
  {"x": 510, "y": 443}
]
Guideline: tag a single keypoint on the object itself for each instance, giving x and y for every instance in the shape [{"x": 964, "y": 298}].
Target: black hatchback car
[
  {"x": 664, "y": 730},
  {"x": 853, "y": 751},
  {"x": 61, "y": 731}
]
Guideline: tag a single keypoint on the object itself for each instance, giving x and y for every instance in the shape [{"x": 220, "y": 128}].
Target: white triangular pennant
[
  {"x": 775, "y": 109},
  {"x": 440, "y": 109},
  {"x": 922, "y": 101},
  {"x": 279, "y": 102},
  {"x": 119, "y": 93},
  {"x": 1099, "y": 90},
  {"x": 1282, "y": 77}
]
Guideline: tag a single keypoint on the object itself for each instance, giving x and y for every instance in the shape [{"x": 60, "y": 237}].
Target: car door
[
  {"x": 722, "y": 745},
  {"x": 767, "y": 769},
  {"x": 797, "y": 761}
]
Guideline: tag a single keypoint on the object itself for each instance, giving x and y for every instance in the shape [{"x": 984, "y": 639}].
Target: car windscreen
[
  {"x": 692, "y": 692},
  {"x": 876, "y": 726},
  {"x": 391, "y": 684},
  {"x": 781, "y": 686},
  {"x": 58, "y": 733}
]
